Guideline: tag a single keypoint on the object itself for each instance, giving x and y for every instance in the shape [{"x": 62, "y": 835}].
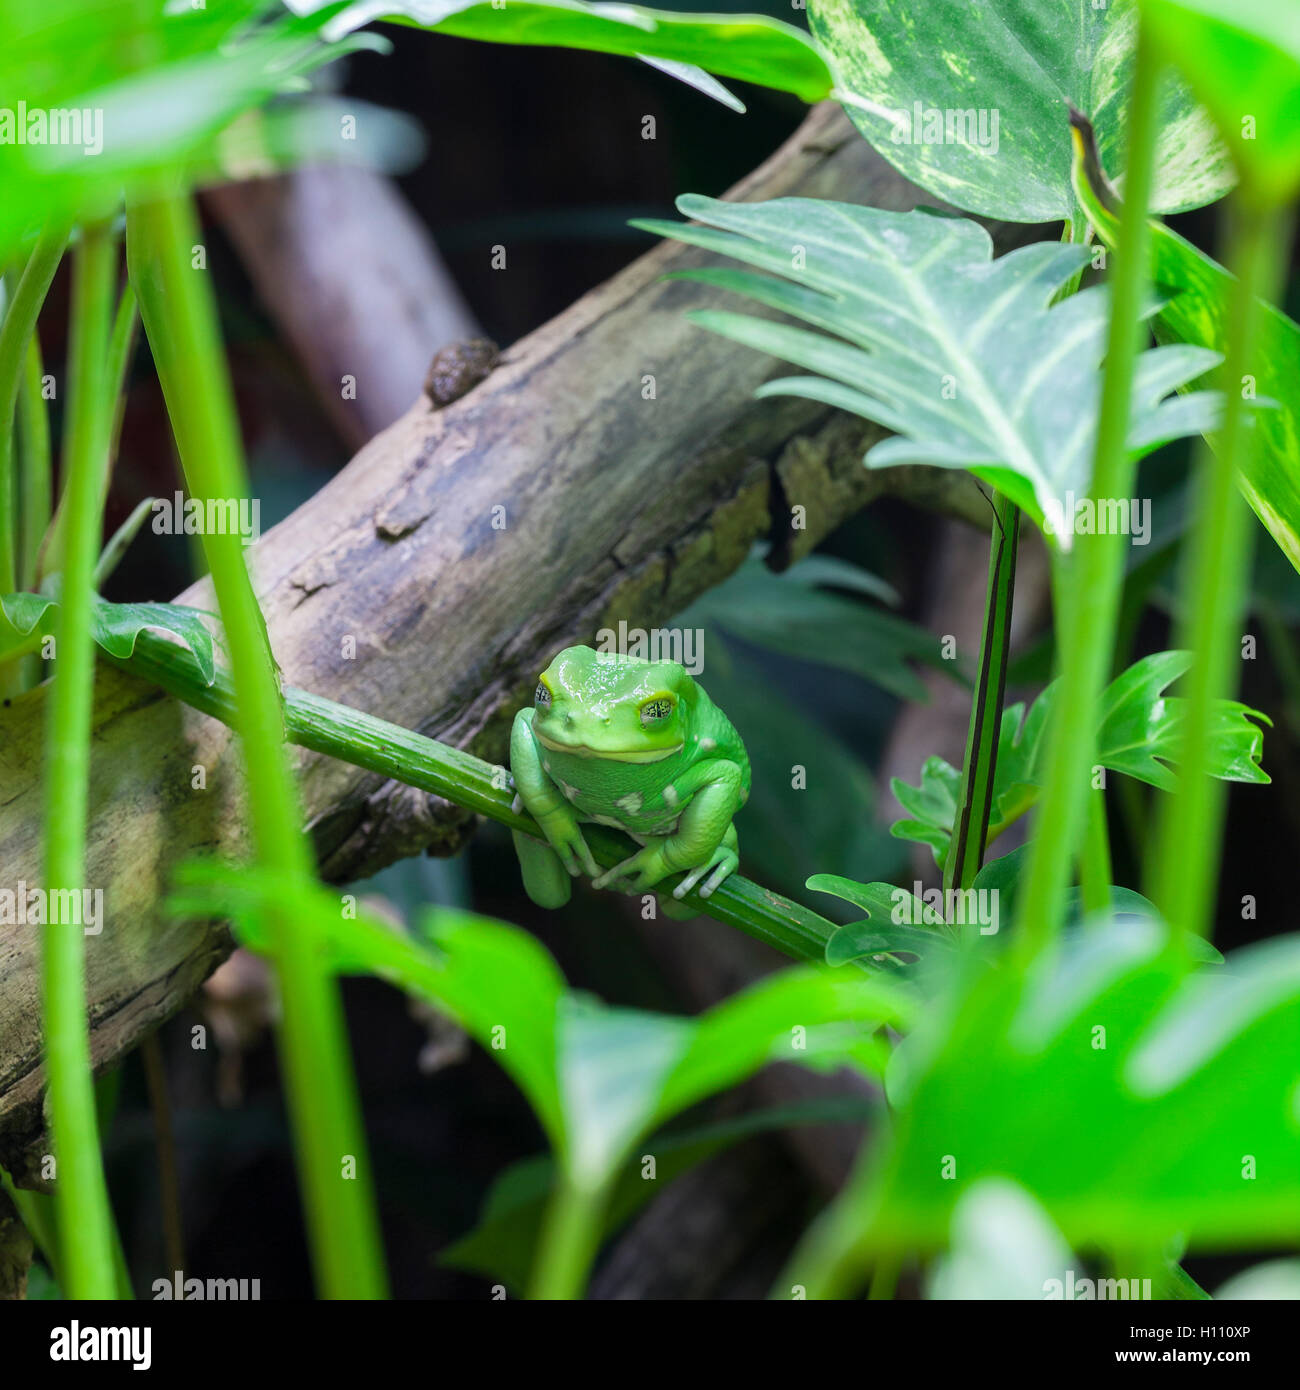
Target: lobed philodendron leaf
[
  {"x": 914, "y": 325},
  {"x": 1133, "y": 1102},
  {"x": 748, "y": 47},
  {"x": 20, "y": 622},
  {"x": 899, "y": 923},
  {"x": 1138, "y": 734},
  {"x": 598, "y": 1078},
  {"x": 967, "y": 99},
  {"x": 114, "y": 626},
  {"x": 1242, "y": 58}
]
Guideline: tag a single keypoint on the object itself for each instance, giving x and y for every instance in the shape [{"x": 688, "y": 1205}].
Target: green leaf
[
  {"x": 1014, "y": 65},
  {"x": 787, "y": 613},
  {"x": 965, "y": 357},
  {"x": 171, "y": 91},
  {"x": 20, "y": 619},
  {"x": 897, "y": 921},
  {"x": 502, "y": 1246},
  {"x": 1003, "y": 1246},
  {"x": 114, "y": 626},
  {"x": 1242, "y": 58},
  {"x": 1125, "y": 1099},
  {"x": 1005, "y": 875},
  {"x": 1138, "y": 733},
  {"x": 751, "y": 48},
  {"x": 598, "y": 1078},
  {"x": 1141, "y": 728}
]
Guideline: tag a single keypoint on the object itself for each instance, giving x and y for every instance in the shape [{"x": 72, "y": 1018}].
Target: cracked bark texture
[{"x": 429, "y": 581}]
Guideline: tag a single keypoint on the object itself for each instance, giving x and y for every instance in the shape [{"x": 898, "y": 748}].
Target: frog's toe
[
  {"x": 611, "y": 877},
  {"x": 723, "y": 861},
  {"x": 719, "y": 876}
]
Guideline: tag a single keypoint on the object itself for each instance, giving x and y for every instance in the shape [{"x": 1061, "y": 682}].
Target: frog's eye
[
  {"x": 656, "y": 710},
  {"x": 542, "y": 695}
]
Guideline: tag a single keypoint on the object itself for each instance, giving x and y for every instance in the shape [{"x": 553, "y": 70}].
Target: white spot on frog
[
  {"x": 631, "y": 803},
  {"x": 707, "y": 745},
  {"x": 670, "y": 795},
  {"x": 570, "y": 792}
]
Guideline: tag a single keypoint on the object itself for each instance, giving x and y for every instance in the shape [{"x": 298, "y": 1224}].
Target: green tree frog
[{"x": 633, "y": 744}]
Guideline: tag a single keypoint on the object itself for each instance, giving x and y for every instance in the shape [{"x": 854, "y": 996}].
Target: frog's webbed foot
[
  {"x": 723, "y": 862},
  {"x": 638, "y": 872}
]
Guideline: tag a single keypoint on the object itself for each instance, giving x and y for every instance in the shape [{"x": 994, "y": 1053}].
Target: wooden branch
[{"x": 427, "y": 583}]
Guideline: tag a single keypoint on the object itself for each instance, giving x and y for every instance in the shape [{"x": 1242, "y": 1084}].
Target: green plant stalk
[
  {"x": 570, "y": 1238},
  {"x": 971, "y": 820},
  {"x": 81, "y": 1194},
  {"x": 1189, "y": 840},
  {"x": 16, "y": 332},
  {"x": 120, "y": 345},
  {"x": 35, "y": 488},
  {"x": 1090, "y": 582},
  {"x": 1095, "y": 873},
  {"x": 181, "y": 322},
  {"x": 378, "y": 746},
  {"x": 35, "y": 472}
]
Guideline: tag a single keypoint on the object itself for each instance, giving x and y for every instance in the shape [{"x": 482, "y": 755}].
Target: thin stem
[
  {"x": 180, "y": 319},
  {"x": 19, "y": 325},
  {"x": 1092, "y": 578},
  {"x": 120, "y": 345},
  {"x": 35, "y": 472},
  {"x": 81, "y": 1195},
  {"x": 570, "y": 1239},
  {"x": 884, "y": 1277},
  {"x": 971, "y": 822},
  {"x": 1095, "y": 873},
  {"x": 378, "y": 746},
  {"x": 1189, "y": 840}
]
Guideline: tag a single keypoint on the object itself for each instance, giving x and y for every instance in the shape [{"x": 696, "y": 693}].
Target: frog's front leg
[
  {"x": 542, "y": 800},
  {"x": 700, "y": 843}
]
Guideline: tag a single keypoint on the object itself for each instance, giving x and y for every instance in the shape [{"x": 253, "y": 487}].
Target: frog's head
[{"x": 602, "y": 705}]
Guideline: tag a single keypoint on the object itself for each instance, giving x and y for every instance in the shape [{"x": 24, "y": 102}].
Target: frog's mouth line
[{"x": 582, "y": 750}]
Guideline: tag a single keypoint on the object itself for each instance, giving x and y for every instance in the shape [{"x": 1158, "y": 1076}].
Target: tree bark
[{"x": 430, "y": 580}]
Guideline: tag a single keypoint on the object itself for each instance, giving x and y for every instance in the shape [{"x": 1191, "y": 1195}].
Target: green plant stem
[
  {"x": 971, "y": 821},
  {"x": 569, "y": 1241},
  {"x": 15, "y": 333},
  {"x": 1095, "y": 874},
  {"x": 884, "y": 1277},
  {"x": 362, "y": 740},
  {"x": 81, "y": 1195},
  {"x": 35, "y": 472},
  {"x": 1189, "y": 839},
  {"x": 180, "y": 319},
  {"x": 120, "y": 344},
  {"x": 1092, "y": 578}
]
